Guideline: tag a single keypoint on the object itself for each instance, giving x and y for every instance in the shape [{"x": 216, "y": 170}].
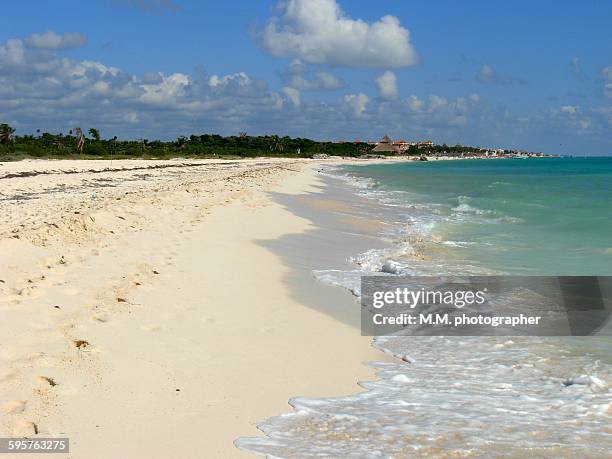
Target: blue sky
[{"x": 531, "y": 75}]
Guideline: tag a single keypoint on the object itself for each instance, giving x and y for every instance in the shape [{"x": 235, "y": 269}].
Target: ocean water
[
  {"x": 537, "y": 216},
  {"x": 472, "y": 396}
]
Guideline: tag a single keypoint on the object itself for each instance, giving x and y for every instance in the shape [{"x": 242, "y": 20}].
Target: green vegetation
[
  {"x": 6, "y": 134},
  {"x": 94, "y": 133},
  {"x": 444, "y": 149},
  {"x": 46, "y": 145}
]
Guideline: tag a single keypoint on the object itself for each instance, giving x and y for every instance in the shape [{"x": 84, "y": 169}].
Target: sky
[{"x": 527, "y": 75}]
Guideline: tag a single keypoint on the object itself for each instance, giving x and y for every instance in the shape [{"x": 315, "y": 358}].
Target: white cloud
[
  {"x": 167, "y": 91},
  {"x": 438, "y": 111},
  {"x": 293, "y": 95},
  {"x": 318, "y": 32},
  {"x": 130, "y": 117},
  {"x": 387, "y": 85},
  {"x": 577, "y": 120},
  {"x": 42, "y": 90},
  {"x": 298, "y": 77},
  {"x": 52, "y": 40},
  {"x": 415, "y": 104},
  {"x": 487, "y": 74},
  {"x": 569, "y": 109},
  {"x": 357, "y": 102},
  {"x": 237, "y": 80},
  {"x": 12, "y": 53},
  {"x": 324, "y": 80}
]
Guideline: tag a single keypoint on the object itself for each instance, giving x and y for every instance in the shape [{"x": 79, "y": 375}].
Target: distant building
[
  {"x": 401, "y": 145},
  {"x": 425, "y": 144},
  {"x": 385, "y": 145}
]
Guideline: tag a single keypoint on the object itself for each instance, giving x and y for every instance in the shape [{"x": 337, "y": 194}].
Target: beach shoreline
[
  {"x": 145, "y": 316},
  {"x": 175, "y": 308},
  {"x": 443, "y": 396}
]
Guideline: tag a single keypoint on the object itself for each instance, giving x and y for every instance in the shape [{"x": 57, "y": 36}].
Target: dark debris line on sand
[{"x": 109, "y": 169}]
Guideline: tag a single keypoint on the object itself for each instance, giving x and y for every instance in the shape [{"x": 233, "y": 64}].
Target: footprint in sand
[
  {"x": 100, "y": 318},
  {"x": 22, "y": 291},
  {"x": 7, "y": 375},
  {"x": 46, "y": 381},
  {"x": 25, "y": 429},
  {"x": 41, "y": 359},
  {"x": 14, "y": 406},
  {"x": 49, "y": 262},
  {"x": 80, "y": 344}
]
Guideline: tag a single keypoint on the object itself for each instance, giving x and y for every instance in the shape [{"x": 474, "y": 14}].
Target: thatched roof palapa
[{"x": 385, "y": 145}]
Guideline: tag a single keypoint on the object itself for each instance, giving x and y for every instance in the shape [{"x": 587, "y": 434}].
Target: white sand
[{"x": 141, "y": 317}]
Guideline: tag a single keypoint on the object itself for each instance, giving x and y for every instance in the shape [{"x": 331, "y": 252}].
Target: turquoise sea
[
  {"x": 475, "y": 397},
  {"x": 549, "y": 216}
]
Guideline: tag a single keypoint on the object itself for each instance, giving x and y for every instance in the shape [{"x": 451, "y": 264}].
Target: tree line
[{"x": 78, "y": 144}]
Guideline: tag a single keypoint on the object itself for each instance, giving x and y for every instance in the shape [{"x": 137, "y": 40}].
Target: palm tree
[
  {"x": 276, "y": 144},
  {"x": 94, "y": 133},
  {"x": 6, "y": 133},
  {"x": 59, "y": 142},
  {"x": 80, "y": 139}
]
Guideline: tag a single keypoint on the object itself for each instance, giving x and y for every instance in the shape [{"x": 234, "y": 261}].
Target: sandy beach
[{"x": 159, "y": 309}]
